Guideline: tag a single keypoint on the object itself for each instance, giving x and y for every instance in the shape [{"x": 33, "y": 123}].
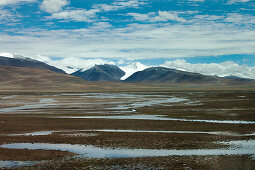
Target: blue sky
[{"x": 216, "y": 35}]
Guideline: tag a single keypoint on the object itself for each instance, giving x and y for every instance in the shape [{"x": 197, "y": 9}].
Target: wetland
[{"x": 132, "y": 130}]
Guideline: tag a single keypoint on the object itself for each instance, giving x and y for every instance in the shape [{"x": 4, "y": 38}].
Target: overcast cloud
[{"x": 94, "y": 32}]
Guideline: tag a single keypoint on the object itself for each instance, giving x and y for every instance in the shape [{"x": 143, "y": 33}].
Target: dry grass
[{"x": 31, "y": 120}]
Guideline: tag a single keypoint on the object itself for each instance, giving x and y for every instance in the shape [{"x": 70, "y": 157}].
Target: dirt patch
[
  {"x": 173, "y": 162},
  {"x": 31, "y": 155}
]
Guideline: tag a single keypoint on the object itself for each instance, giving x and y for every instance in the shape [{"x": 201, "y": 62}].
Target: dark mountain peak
[
  {"x": 163, "y": 74},
  {"x": 104, "y": 72},
  {"x": 20, "y": 61},
  {"x": 161, "y": 69}
]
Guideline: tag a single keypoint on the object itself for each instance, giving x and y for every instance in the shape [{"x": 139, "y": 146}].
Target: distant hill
[
  {"x": 104, "y": 72},
  {"x": 19, "y": 61},
  {"x": 34, "y": 78},
  {"x": 162, "y": 74},
  {"x": 235, "y": 78}
]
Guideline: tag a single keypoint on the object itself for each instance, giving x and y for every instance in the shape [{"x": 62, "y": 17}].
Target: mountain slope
[
  {"x": 235, "y": 78},
  {"x": 33, "y": 78},
  {"x": 19, "y": 61},
  {"x": 162, "y": 74},
  {"x": 104, "y": 72}
]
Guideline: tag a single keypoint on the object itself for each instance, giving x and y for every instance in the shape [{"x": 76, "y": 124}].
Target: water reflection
[
  {"x": 156, "y": 117},
  {"x": 12, "y": 164},
  {"x": 41, "y": 133},
  {"x": 236, "y": 148}
]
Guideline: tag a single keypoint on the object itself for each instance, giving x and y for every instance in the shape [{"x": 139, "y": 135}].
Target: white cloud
[
  {"x": 84, "y": 15},
  {"x": 220, "y": 69},
  {"x": 9, "y": 17},
  {"x": 5, "y": 15},
  {"x": 12, "y": 2},
  {"x": 52, "y": 6},
  {"x": 158, "y": 17},
  {"x": 132, "y": 68},
  {"x": 200, "y": 18},
  {"x": 135, "y": 41},
  {"x": 119, "y": 4},
  {"x": 75, "y": 15},
  {"x": 240, "y": 19},
  {"x": 237, "y": 1}
]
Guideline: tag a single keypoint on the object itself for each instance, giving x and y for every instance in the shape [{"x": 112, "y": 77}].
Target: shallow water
[
  {"x": 9, "y": 97},
  {"x": 47, "y": 101},
  {"x": 21, "y": 108},
  {"x": 161, "y": 131},
  {"x": 156, "y": 117},
  {"x": 12, "y": 164},
  {"x": 148, "y": 102},
  {"x": 41, "y": 133},
  {"x": 135, "y": 101},
  {"x": 89, "y": 151}
]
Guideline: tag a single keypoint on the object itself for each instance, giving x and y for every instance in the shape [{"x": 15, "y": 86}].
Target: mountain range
[{"x": 106, "y": 72}]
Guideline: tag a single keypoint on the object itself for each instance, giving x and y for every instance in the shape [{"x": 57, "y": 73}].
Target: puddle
[
  {"x": 21, "y": 108},
  {"x": 159, "y": 101},
  {"x": 9, "y": 97},
  {"x": 121, "y": 95},
  {"x": 155, "y": 117},
  {"x": 152, "y": 101},
  {"x": 40, "y": 133},
  {"x": 89, "y": 151},
  {"x": 161, "y": 131},
  {"x": 47, "y": 101},
  {"x": 12, "y": 164},
  {"x": 81, "y": 134},
  {"x": 195, "y": 103}
]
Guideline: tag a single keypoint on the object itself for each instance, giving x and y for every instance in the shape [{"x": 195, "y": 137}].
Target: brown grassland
[{"x": 210, "y": 102}]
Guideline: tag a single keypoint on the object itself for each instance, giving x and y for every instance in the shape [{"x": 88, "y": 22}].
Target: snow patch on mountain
[
  {"x": 8, "y": 55},
  {"x": 132, "y": 68}
]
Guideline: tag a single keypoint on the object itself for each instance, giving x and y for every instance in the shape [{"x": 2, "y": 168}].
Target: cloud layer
[
  {"x": 12, "y": 2},
  {"x": 158, "y": 17},
  {"x": 220, "y": 69},
  {"x": 52, "y": 6}
]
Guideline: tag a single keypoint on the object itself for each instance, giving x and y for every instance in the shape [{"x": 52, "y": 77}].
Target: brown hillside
[{"x": 33, "y": 78}]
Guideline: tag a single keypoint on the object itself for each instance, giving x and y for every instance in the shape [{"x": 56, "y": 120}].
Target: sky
[{"x": 213, "y": 37}]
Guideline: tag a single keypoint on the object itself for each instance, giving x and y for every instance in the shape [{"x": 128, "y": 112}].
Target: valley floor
[{"x": 190, "y": 129}]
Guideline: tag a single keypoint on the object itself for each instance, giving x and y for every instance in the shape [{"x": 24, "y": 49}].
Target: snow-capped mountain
[
  {"x": 104, "y": 72},
  {"x": 131, "y": 69},
  {"x": 8, "y": 59}
]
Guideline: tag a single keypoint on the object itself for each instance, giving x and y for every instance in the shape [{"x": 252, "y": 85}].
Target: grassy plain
[{"x": 202, "y": 102}]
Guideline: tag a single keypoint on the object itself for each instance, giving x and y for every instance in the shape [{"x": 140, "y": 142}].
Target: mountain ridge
[
  {"x": 164, "y": 74},
  {"x": 20, "y": 61},
  {"x": 36, "y": 78},
  {"x": 104, "y": 72}
]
